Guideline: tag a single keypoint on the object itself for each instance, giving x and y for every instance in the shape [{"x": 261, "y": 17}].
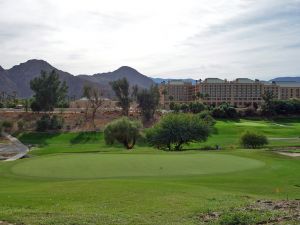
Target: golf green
[{"x": 89, "y": 166}]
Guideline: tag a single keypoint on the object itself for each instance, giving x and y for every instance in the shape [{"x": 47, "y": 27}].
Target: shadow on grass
[
  {"x": 85, "y": 137},
  {"x": 37, "y": 138}
]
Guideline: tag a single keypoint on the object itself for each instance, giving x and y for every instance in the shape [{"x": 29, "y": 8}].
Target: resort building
[{"x": 241, "y": 92}]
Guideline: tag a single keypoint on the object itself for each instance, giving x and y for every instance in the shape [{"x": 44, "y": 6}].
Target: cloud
[{"x": 191, "y": 38}]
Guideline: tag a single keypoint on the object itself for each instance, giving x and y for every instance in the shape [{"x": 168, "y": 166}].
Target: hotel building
[{"x": 241, "y": 92}]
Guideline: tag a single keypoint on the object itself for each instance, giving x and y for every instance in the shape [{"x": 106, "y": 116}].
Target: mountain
[
  {"x": 19, "y": 78},
  {"x": 287, "y": 79},
  {"x": 160, "y": 80},
  {"x": 6, "y": 84},
  {"x": 133, "y": 76}
]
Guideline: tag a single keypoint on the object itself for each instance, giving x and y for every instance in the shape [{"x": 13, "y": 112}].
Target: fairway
[
  {"x": 89, "y": 166},
  {"x": 228, "y": 132}
]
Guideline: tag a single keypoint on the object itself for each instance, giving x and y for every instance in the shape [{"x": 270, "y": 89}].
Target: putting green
[{"x": 88, "y": 166}]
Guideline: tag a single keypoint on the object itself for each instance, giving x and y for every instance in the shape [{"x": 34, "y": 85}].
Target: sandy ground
[{"x": 291, "y": 154}]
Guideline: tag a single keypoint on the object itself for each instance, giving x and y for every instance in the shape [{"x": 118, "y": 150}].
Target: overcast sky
[{"x": 160, "y": 38}]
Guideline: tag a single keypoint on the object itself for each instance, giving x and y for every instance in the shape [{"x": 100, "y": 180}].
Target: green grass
[
  {"x": 76, "y": 179},
  {"x": 281, "y": 132}
]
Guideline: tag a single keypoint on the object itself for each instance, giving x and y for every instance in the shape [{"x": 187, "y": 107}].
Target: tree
[
  {"x": 196, "y": 107},
  {"x": 121, "y": 89},
  {"x": 283, "y": 107},
  {"x": 176, "y": 129},
  {"x": 26, "y": 104},
  {"x": 199, "y": 95},
  {"x": 49, "y": 92},
  {"x": 268, "y": 105},
  {"x": 253, "y": 140},
  {"x": 164, "y": 93},
  {"x": 175, "y": 107},
  {"x": 124, "y": 131},
  {"x": 94, "y": 96},
  {"x": 134, "y": 92},
  {"x": 225, "y": 111},
  {"x": 148, "y": 101}
]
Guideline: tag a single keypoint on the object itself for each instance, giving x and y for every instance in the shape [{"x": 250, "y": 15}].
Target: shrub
[
  {"x": 7, "y": 125},
  {"x": 218, "y": 113},
  {"x": 123, "y": 131},
  {"x": 283, "y": 107},
  {"x": 224, "y": 111},
  {"x": 21, "y": 124},
  {"x": 174, "y": 130},
  {"x": 56, "y": 123},
  {"x": 35, "y": 107},
  {"x": 11, "y": 105},
  {"x": 196, "y": 107},
  {"x": 253, "y": 140},
  {"x": 207, "y": 118},
  {"x": 237, "y": 218},
  {"x": 249, "y": 111},
  {"x": 175, "y": 107},
  {"x": 49, "y": 123},
  {"x": 184, "y": 107}
]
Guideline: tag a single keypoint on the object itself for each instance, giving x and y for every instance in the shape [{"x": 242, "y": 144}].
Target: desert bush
[
  {"x": 253, "y": 140},
  {"x": 177, "y": 129},
  {"x": 124, "y": 131}
]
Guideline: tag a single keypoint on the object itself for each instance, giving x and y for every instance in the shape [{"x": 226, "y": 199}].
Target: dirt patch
[
  {"x": 3, "y": 140},
  {"x": 264, "y": 212},
  {"x": 73, "y": 120},
  {"x": 6, "y": 223}
]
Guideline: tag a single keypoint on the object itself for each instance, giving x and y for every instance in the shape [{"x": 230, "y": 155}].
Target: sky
[{"x": 160, "y": 38}]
